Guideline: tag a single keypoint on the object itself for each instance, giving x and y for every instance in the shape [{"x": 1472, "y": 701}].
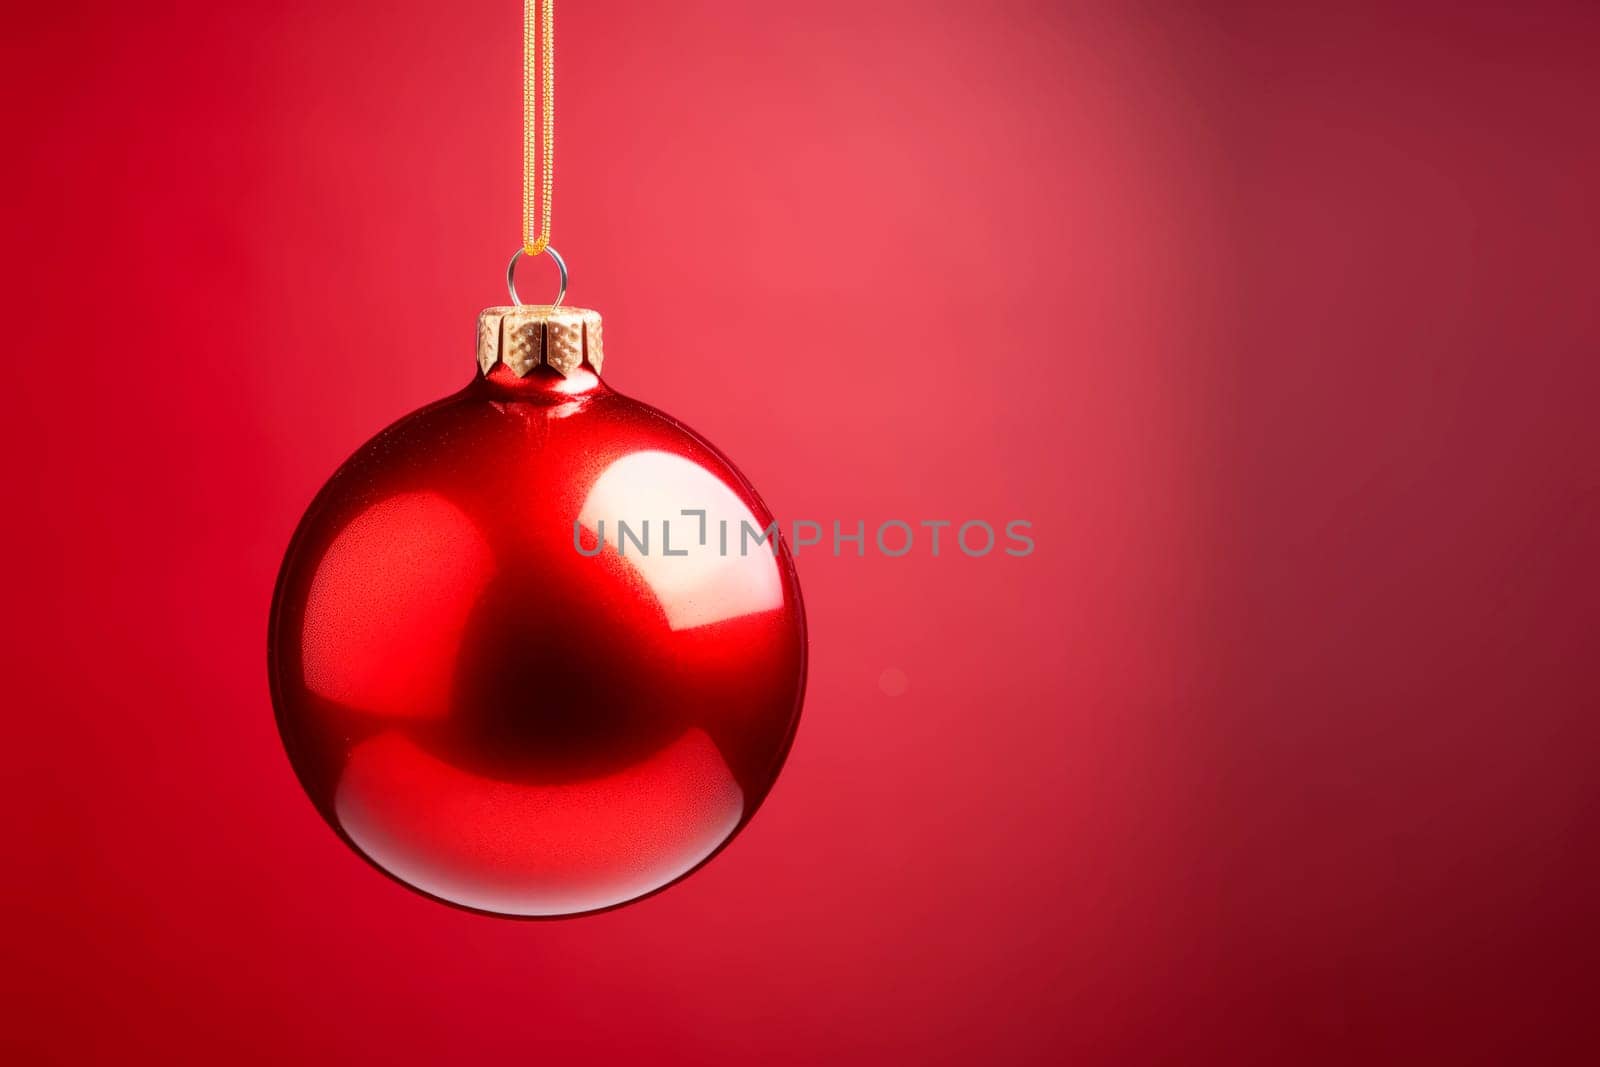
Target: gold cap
[{"x": 531, "y": 335}]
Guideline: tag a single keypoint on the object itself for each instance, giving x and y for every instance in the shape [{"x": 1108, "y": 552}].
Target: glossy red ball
[{"x": 498, "y": 714}]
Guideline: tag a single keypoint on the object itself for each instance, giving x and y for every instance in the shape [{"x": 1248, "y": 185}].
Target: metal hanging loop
[{"x": 511, "y": 276}]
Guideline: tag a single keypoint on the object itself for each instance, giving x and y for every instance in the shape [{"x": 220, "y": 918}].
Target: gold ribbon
[{"x": 538, "y": 121}]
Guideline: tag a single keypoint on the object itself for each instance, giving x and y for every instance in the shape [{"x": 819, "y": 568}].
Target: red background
[{"x": 1278, "y": 323}]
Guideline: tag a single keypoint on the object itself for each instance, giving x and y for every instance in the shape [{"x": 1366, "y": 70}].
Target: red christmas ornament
[{"x": 496, "y": 693}]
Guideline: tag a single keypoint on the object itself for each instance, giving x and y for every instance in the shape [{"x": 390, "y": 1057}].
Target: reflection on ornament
[
  {"x": 388, "y": 604},
  {"x": 552, "y": 849},
  {"x": 698, "y": 583}
]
